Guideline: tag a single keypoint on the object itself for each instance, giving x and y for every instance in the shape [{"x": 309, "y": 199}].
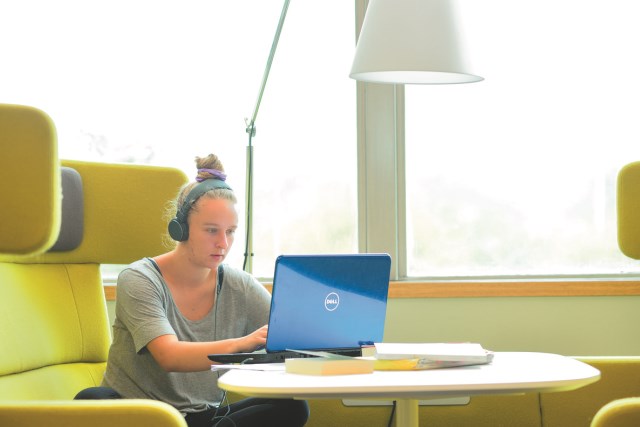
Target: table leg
[{"x": 407, "y": 413}]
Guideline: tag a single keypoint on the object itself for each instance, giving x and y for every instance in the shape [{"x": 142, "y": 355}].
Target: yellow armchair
[
  {"x": 628, "y": 210},
  {"x": 59, "y": 222},
  {"x": 625, "y": 412},
  {"x": 619, "y": 413}
]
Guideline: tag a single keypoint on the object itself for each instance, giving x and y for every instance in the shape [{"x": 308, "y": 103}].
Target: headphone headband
[
  {"x": 178, "y": 227},
  {"x": 197, "y": 192}
]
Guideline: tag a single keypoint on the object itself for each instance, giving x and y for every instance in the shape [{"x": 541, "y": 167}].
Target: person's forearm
[
  {"x": 192, "y": 356},
  {"x": 181, "y": 356}
]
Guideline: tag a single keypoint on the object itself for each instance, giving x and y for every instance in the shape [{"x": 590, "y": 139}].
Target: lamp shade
[{"x": 410, "y": 41}]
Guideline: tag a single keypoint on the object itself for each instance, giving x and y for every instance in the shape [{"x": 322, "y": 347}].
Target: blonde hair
[{"x": 209, "y": 167}]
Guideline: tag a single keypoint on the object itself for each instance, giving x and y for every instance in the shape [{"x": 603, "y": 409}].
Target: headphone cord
[{"x": 393, "y": 410}]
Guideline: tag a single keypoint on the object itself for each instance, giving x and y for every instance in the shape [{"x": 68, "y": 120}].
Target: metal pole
[{"x": 251, "y": 131}]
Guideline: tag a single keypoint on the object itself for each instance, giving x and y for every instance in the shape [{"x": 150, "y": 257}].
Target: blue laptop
[{"x": 333, "y": 303}]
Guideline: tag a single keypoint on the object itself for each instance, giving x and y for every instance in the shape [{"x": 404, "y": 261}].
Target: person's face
[{"x": 212, "y": 227}]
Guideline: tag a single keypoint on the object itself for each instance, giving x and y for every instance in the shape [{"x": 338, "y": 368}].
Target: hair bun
[{"x": 206, "y": 173}]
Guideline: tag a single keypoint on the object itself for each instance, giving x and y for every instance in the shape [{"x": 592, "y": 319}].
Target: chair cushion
[
  {"x": 51, "y": 315},
  {"x": 72, "y": 220},
  {"x": 56, "y": 382}
]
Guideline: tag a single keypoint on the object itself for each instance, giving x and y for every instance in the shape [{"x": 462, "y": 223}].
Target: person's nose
[{"x": 223, "y": 241}]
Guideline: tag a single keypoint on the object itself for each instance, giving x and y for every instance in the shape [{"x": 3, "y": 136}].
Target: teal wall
[{"x": 572, "y": 326}]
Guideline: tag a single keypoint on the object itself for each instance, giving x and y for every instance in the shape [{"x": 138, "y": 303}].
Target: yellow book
[
  {"x": 328, "y": 366},
  {"x": 415, "y": 364},
  {"x": 396, "y": 365}
]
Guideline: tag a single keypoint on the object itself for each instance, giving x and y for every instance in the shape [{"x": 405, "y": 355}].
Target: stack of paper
[
  {"x": 413, "y": 356},
  {"x": 391, "y": 357}
]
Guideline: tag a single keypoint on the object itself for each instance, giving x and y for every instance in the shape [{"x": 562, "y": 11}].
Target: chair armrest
[
  {"x": 619, "y": 413},
  {"x": 95, "y": 413}
]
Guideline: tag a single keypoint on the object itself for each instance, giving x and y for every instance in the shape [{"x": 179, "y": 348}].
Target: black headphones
[{"x": 178, "y": 227}]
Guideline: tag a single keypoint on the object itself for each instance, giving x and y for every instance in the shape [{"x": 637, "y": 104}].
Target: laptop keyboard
[{"x": 275, "y": 357}]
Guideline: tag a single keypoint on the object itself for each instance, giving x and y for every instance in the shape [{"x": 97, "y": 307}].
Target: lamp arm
[
  {"x": 251, "y": 130},
  {"x": 274, "y": 45}
]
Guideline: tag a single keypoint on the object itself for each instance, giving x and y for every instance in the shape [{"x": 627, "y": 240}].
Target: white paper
[
  {"x": 453, "y": 352},
  {"x": 250, "y": 367}
]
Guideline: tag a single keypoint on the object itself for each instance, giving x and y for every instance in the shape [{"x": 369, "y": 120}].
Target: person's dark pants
[
  {"x": 244, "y": 413},
  {"x": 96, "y": 393}
]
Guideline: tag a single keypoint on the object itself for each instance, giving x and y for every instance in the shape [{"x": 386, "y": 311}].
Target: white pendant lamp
[{"x": 412, "y": 42}]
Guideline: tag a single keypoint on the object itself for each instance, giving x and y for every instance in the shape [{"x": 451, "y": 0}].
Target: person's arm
[{"x": 180, "y": 356}]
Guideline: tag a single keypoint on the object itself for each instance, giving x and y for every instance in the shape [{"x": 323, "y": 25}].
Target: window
[
  {"x": 160, "y": 82},
  {"x": 516, "y": 175}
]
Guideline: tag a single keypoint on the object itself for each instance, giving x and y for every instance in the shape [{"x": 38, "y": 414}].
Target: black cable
[
  {"x": 216, "y": 419},
  {"x": 541, "y": 410},
  {"x": 393, "y": 411}
]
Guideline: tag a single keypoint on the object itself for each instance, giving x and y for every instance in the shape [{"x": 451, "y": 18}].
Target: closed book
[
  {"x": 328, "y": 366},
  {"x": 417, "y": 364}
]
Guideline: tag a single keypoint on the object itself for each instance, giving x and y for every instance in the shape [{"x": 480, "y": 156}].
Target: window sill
[
  {"x": 559, "y": 288},
  {"x": 549, "y": 288}
]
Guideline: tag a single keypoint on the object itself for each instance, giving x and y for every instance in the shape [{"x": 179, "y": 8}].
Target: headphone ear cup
[
  {"x": 178, "y": 227},
  {"x": 178, "y": 231}
]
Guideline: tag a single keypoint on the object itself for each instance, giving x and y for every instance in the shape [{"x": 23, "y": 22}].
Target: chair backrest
[
  {"x": 55, "y": 331},
  {"x": 628, "y": 209},
  {"x": 123, "y": 214}
]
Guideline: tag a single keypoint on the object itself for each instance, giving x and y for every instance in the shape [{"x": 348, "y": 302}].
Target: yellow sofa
[{"x": 54, "y": 328}]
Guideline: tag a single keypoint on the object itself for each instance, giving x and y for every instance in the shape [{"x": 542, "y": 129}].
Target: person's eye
[
  {"x": 212, "y": 230},
  {"x": 231, "y": 232}
]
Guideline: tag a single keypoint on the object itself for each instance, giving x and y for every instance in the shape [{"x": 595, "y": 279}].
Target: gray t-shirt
[{"x": 145, "y": 310}]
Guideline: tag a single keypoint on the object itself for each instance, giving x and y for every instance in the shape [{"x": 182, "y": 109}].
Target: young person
[{"x": 176, "y": 308}]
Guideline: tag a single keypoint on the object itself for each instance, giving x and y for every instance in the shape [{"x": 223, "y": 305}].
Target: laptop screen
[{"x": 328, "y": 301}]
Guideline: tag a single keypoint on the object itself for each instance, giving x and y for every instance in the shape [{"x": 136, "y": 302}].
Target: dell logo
[{"x": 331, "y": 301}]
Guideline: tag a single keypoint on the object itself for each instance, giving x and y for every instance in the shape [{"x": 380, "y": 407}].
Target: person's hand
[{"x": 255, "y": 340}]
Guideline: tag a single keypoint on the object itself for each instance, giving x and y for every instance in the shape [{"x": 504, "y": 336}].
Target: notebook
[{"x": 333, "y": 303}]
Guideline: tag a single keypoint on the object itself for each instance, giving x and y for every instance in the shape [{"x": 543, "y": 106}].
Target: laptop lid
[{"x": 328, "y": 301}]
